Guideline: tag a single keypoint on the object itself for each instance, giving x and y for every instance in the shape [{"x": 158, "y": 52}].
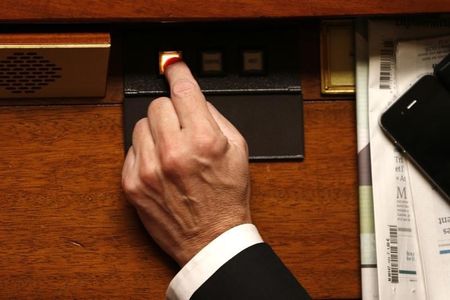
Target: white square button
[
  {"x": 253, "y": 61},
  {"x": 212, "y": 62}
]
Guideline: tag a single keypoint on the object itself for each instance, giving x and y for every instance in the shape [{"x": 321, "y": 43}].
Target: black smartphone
[{"x": 419, "y": 124}]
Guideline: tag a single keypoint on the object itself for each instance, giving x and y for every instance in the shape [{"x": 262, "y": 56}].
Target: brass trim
[
  {"x": 56, "y": 46},
  {"x": 326, "y": 55}
]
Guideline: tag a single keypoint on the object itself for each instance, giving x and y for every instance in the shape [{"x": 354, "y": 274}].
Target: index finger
[{"x": 187, "y": 98}]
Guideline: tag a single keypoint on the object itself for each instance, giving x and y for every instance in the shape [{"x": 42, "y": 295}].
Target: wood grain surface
[
  {"x": 66, "y": 230},
  {"x": 141, "y": 10}
]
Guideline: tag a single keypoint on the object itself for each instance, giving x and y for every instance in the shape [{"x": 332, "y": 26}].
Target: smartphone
[{"x": 419, "y": 124}]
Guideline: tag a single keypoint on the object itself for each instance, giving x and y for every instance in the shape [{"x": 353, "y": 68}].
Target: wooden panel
[
  {"x": 65, "y": 228},
  {"x": 67, "y": 231},
  {"x": 308, "y": 211},
  {"x": 310, "y": 61},
  {"x": 115, "y": 10}
]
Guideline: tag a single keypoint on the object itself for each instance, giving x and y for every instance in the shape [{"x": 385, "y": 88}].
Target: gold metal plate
[
  {"x": 337, "y": 57},
  {"x": 56, "y": 65}
]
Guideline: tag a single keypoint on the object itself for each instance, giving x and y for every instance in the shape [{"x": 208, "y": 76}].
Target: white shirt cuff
[{"x": 208, "y": 260}]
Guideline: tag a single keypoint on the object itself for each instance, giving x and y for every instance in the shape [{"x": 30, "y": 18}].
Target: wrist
[
  {"x": 197, "y": 242},
  {"x": 209, "y": 259}
]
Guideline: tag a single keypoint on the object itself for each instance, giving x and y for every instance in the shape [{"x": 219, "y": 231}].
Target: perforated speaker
[
  {"x": 53, "y": 65},
  {"x": 27, "y": 72}
]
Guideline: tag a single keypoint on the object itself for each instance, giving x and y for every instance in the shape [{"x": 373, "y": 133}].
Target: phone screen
[{"x": 419, "y": 122}]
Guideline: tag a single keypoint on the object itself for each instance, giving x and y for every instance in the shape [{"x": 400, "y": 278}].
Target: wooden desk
[{"x": 66, "y": 230}]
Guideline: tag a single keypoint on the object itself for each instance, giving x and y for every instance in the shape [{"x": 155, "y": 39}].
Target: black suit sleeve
[{"x": 255, "y": 273}]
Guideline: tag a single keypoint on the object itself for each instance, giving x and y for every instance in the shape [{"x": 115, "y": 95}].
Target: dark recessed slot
[
  {"x": 10, "y": 65},
  {"x": 30, "y": 76},
  {"x": 4, "y": 84},
  {"x": 24, "y": 80},
  {"x": 10, "y": 73},
  {"x": 57, "y": 69},
  {"x": 55, "y": 76},
  {"x": 10, "y": 80},
  {"x": 37, "y": 65},
  {"x": 31, "y": 61},
  {"x": 23, "y": 73},
  {"x": 17, "y": 76},
  {"x": 18, "y": 61},
  {"x": 42, "y": 83},
  {"x": 24, "y": 65},
  {"x": 19, "y": 53},
  {"x": 36, "y": 80},
  {"x": 36, "y": 72},
  {"x": 16, "y": 92},
  {"x": 35, "y": 87},
  {"x": 10, "y": 88},
  {"x": 29, "y": 92},
  {"x": 30, "y": 69},
  {"x": 31, "y": 53},
  {"x": 11, "y": 57},
  {"x": 43, "y": 69},
  {"x": 50, "y": 72},
  {"x": 49, "y": 80}
]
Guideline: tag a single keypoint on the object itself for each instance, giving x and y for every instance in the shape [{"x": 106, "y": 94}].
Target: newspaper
[
  {"x": 414, "y": 59},
  {"x": 398, "y": 257},
  {"x": 369, "y": 279}
]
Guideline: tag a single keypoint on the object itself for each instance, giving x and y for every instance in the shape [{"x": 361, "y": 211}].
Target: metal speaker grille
[{"x": 27, "y": 72}]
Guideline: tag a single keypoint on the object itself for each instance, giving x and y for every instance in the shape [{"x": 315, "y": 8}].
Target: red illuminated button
[{"x": 167, "y": 57}]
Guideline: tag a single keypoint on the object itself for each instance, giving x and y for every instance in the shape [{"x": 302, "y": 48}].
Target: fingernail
[{"x": 171, "y": 61}]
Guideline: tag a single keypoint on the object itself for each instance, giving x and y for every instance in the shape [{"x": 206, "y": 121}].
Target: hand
[{"x": 187, "y": 170}]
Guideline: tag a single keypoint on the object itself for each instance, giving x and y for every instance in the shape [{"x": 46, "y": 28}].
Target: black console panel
[{"x": 248, "y": 70}]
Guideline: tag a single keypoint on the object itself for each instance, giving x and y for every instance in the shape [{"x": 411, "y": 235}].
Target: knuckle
[
  {"x": 140, "y": 124},
  {"x": 242, "y": 143},
  {"x": 148, "y": 175},
  {"x": 184, "y": 87},
  {"x": 173, "y": 164},
  {"x": 129, "y": 186},
  {"x": 210, "y": 145},
  {"x": 156, "y": 104},
  {"x": 140, "y": 129}
]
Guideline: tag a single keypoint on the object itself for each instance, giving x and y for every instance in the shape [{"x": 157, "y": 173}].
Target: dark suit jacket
[{"x": 255, "y": 273}]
